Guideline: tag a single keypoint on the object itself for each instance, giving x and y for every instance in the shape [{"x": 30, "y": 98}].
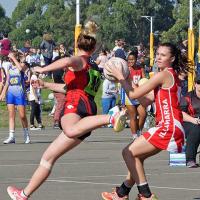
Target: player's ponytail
[{"x": 87, "y": 39}]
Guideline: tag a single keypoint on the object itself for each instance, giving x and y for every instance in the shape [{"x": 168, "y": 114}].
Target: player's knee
[
  {"x": 46, "y": 164},
  {"x": 69, "y": 132},
  {"x": 23, "y": 117},
  {"x": 125, "y": 153}
]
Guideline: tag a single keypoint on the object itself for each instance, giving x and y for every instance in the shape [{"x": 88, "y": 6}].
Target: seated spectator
[{"x": 190, "y": 105}]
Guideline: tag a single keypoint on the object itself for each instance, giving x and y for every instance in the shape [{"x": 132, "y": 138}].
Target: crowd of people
[{"x": 76, "y": 79}]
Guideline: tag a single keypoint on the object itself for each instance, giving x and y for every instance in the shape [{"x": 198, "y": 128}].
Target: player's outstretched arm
[{"x": 56, "y": 87}]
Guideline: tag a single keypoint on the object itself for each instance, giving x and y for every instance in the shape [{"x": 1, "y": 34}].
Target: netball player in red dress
[
  {"x": 168, "y": 133},
  {"x": 136, "y": 111},
  {"x": 79, "y": 117}
]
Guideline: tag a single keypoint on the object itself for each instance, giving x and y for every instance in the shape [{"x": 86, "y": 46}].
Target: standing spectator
[
  {"x": 62, "y": 50},
  {"x": 47, "y": 47},
  {"x": 109, "y": 95},
  {"x": 5, "y": 45},
  {"x": 102, "y": 59},
  {"x": 59, "y": 97},
  {"x": 190, "y": 106},
  {"x": 35, "y": 101}
]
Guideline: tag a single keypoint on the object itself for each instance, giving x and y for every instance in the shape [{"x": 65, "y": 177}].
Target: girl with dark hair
[
  {"x": 80, "y": 110},
  {"x": 136, "y": 112},
  {"x": 168, "y": 134}
]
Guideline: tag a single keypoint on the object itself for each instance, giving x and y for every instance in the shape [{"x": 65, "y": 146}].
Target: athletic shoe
[
  {"x": 34, "y": 128},
  {"x": 152, "y": 197},
  {"x": 113, "y": 195},
  {"x": 109, "y": 126},
  {"x": 9, "y": 140},
  {"x": 27, "y": 139},
  {"x": 56, "y": 126},
  {"x": 118, "y": 121},
  {"x": 192, "y": 164},
  {"x": 16, "y": 194},
  {"x": 51, "y": 114},
  {"x": 40, "y": 126}
]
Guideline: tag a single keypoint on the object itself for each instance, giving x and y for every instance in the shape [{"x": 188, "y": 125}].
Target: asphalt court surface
[{"x": 94, "y": 166}]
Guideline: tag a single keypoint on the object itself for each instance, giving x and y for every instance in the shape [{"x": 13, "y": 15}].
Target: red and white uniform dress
[
  {"x": 169, "y": 133},
  {"x": 77, "y": 100},
  {"x": 135, "y": 75}
]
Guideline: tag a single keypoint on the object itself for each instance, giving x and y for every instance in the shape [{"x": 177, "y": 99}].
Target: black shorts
[{"x": 81, "y": 104}]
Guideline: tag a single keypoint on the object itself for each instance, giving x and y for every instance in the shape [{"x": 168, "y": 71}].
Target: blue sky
[{"x": 9, "y": 6}]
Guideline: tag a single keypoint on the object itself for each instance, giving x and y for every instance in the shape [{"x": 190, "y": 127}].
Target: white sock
[
  {"x": 141, "y": 184},
  {"x": 11, "y": 133},
  {"x": 23, "y": 194}
]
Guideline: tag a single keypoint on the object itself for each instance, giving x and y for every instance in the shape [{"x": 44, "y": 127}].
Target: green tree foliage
[
  {"x": 116, "y": 19},
  {"x": 178, "y": 32},
  {"x": 4, "y": 21},
  {"x": 43, "y": 16}
]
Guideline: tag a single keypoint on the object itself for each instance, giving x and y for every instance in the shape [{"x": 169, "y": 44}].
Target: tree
[
  {"x": 116, "y": 19},
  {"x": 178, "y": 32},
  {"x": 43, "y": 16},
  {"x": 4, "y": 21}
]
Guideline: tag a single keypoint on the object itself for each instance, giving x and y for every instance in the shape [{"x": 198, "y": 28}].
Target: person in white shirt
[{"x": 35, "y": 101}]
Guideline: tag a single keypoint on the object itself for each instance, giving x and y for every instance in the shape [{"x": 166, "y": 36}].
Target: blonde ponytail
[{"x": 90, "y": 29}]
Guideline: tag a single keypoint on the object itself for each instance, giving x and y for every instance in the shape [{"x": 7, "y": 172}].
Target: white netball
[
  {"x": 28, "y": 30},
  {"x": 119, "y": 63}
]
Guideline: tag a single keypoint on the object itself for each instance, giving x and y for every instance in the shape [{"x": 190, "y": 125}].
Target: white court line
[
  {"x": 15, "y": 150},
  {"x": 110, "y": 184},
  {"x": 74, "y": 163},
  {"x": 70, "y": 163},
  {"x": 96, "y": 183}
]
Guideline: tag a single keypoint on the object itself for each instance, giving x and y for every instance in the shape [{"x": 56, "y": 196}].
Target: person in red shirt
[
  {"x": 5, "y": 45},
  {"x": 168, "y": 134},
  {"x": 80, "y": 110},
  {"x": 136, "y": 111}
]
